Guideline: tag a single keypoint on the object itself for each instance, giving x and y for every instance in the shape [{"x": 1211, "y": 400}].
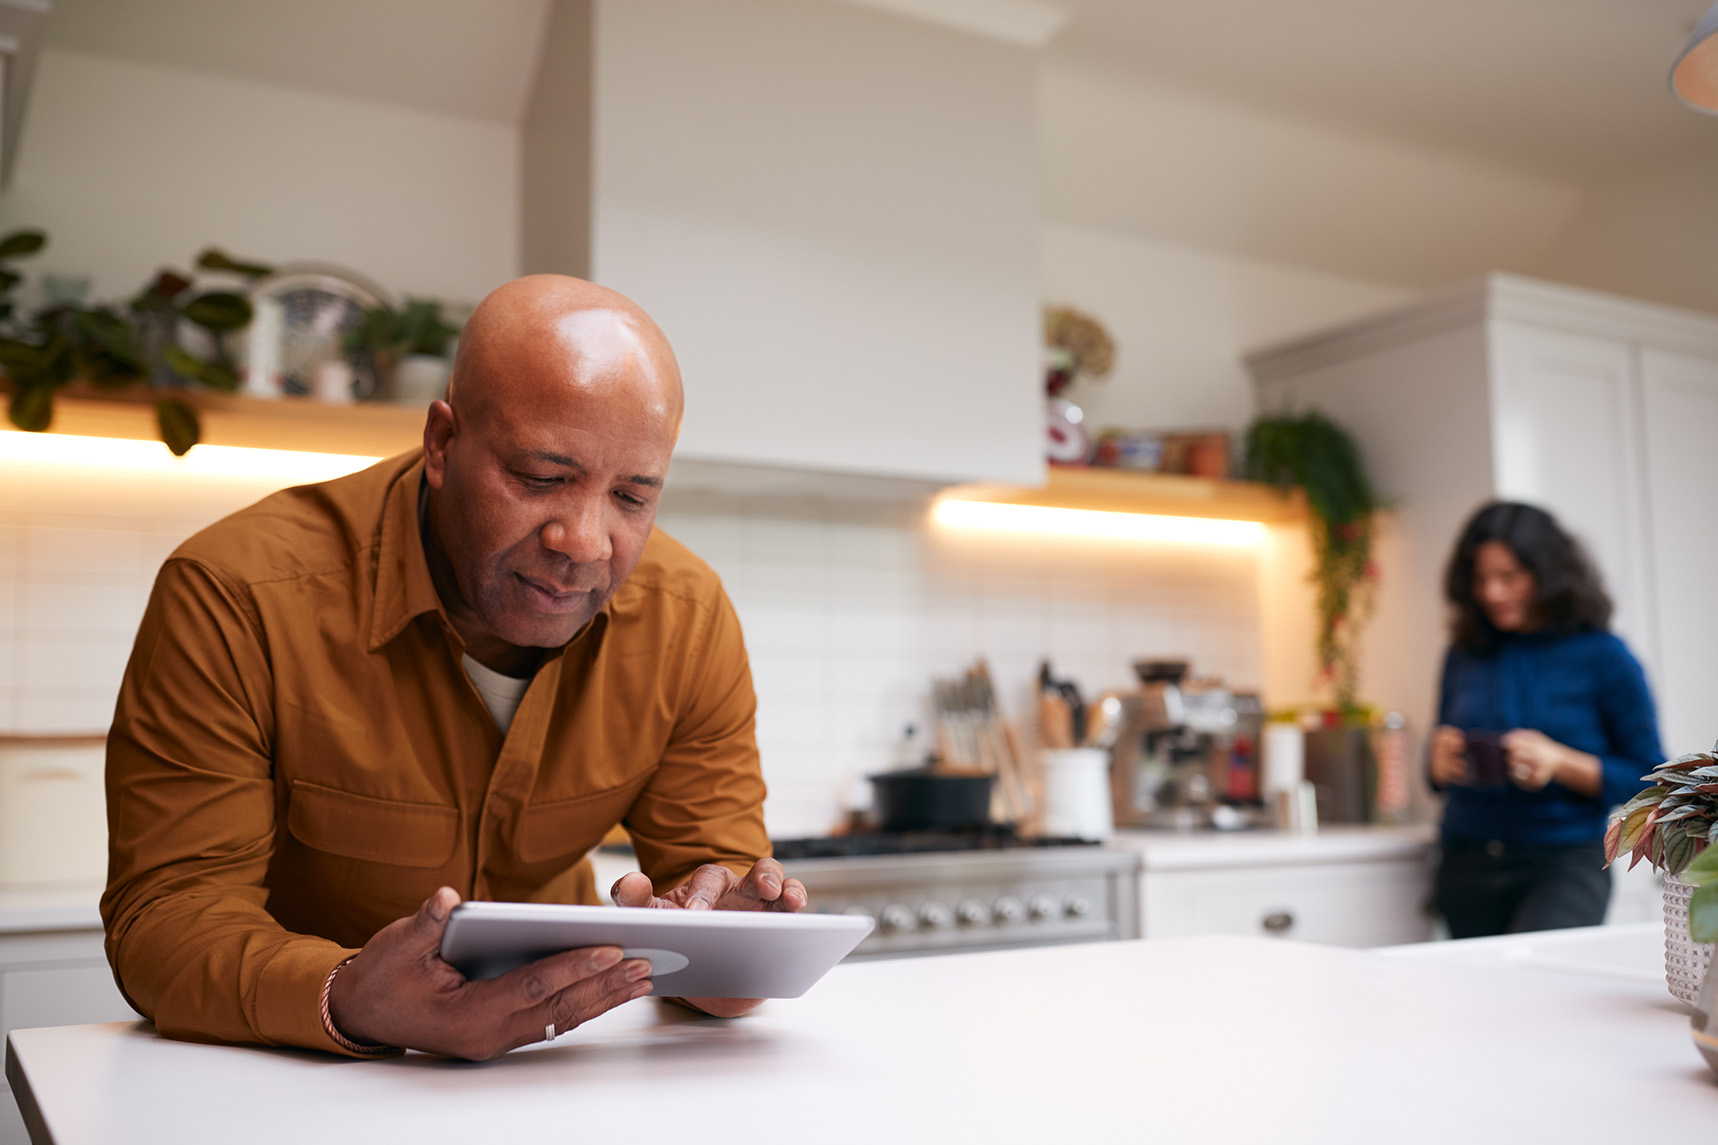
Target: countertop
[
  {"x": 1209, "y": 850},
  {"x": 71, "y": 907},
  {"x": 1206, "y": 1039}
]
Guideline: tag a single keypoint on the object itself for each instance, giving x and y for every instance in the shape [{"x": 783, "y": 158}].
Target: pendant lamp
[{"x": 1694, "y": 76}]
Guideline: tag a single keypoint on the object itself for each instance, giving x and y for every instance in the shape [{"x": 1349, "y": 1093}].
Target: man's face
[{"x": 543, "y": 499}]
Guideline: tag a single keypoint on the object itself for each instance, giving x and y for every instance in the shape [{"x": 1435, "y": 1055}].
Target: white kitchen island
[{"x": 1219, "y": 1039}]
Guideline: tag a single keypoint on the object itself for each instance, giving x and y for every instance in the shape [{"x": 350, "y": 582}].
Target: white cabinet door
[
  {"x": 1680, "y": 400},
  {"x": 1375, "y": 903},
  {"x": 1564, "y": 437}
]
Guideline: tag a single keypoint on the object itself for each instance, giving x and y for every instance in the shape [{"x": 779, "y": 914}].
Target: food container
[
  {"x": 927, "y": 799},
  {"x": 1077, "y": 793}
]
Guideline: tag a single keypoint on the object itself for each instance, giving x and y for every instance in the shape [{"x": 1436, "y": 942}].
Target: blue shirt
[{"x": 1584, "y": 690}]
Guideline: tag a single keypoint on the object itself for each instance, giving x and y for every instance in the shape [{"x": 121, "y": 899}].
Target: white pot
[{"x": 1685, "y": 961}]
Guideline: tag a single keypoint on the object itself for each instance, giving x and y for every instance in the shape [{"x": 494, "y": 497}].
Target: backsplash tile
[{"x": 848, "y": 610}]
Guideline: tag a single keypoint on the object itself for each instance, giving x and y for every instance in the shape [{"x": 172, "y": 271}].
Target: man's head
[{"x": 545, "y": 463}]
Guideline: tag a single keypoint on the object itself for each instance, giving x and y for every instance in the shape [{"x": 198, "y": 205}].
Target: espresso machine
[{"x": 1185, "y": 754}]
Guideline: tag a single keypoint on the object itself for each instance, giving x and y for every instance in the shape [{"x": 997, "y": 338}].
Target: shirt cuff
[{"x": 288, "y": 1006}]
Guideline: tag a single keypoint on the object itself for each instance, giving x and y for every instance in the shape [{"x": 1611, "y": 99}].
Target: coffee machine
[{"x": 1186, "y": 753}]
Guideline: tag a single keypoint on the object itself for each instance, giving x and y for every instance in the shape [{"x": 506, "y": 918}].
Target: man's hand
[
  {"x": 765, "y": 887},
  {"x": 397, "y": 991},
  {"x": 1449, "y": 756}
]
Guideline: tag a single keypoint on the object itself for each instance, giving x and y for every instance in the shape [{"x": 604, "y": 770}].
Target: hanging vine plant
[{"x": 1312, "y": 453}]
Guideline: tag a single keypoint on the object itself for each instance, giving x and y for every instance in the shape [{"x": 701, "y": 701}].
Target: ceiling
[
  {"x": 1566, "y": 88},
  {"x": 472, "y": 58}
]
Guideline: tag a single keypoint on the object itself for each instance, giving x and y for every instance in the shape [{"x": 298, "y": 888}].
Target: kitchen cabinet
[
  {"x": 1341, "y": 887},
  {"x": 1600, "y": 409},
  {"x": 53, "y": 972}
]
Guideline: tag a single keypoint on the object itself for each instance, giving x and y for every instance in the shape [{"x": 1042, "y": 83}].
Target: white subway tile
[
  {"x": 91, "y": 664},
  {"x": 61, "y": 715},
  {"x": 112, "y": 610},
  {"x": 92, "y": 555}
]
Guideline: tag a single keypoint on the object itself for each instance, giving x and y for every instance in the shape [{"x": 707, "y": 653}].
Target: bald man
[{"x": 446, "y": 676}]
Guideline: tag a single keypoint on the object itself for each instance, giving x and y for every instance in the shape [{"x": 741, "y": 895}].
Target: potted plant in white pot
[{"x": 1671, "y": 825}]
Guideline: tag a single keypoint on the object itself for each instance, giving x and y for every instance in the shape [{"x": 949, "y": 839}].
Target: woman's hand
[
  {"x": 1449, "y": 756},
  {"x": 1535, "y": 759}
]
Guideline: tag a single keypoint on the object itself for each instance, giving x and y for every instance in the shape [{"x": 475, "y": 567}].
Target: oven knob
[
  {"x": 935, "y": 916},
  {"x": 1009, "y": 909},
  {"x": 971, "y": 912},
  {"x": 1078, "y": 906},
  {"x": 1043, "y": 908},
  {"x": 897, "y": 919}
]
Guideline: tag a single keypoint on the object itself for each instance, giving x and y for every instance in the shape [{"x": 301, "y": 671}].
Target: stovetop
[{"x": 916, "y": 843}]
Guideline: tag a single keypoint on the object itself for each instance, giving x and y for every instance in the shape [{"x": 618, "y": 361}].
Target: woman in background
[{"x": 1545, "y": 722}]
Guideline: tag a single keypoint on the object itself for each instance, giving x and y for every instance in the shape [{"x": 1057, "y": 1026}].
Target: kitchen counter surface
[
  {"x": 1211, "y": 850},
  {"x": 49, "y": 908},
  {"x": 1205, "y": 1039}
]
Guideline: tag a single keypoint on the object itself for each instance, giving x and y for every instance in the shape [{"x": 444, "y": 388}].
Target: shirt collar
[{"x": 404, "y": 589}]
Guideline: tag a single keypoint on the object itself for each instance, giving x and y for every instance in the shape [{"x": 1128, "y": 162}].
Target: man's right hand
[
  {"x": 1449, "y": 756},
  {"x": 397, "y": 991}
]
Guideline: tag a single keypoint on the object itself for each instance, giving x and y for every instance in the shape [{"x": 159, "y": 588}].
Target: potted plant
[
  {"x": 388, "y": 338},
  {"x": 1672, "y": 825},
  {"x": 113, "y": 347},
  {"x": 1312, "y": 453}
]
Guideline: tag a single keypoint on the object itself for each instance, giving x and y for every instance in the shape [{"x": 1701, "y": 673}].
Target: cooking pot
[{"x": 927, "y": 799}]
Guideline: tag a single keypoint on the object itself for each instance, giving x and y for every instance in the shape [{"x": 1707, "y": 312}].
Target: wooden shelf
[
  {"x": 1130, "y": 491},
  {"x": 375, "y": 429}
]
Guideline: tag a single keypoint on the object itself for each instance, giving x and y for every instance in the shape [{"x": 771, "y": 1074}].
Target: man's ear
[{"x": 438, "y": 432}]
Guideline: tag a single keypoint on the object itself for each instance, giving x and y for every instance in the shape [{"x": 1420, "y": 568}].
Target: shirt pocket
[
  {"x": 374, "y": 830},
  {"x": 558, "y": 828}
]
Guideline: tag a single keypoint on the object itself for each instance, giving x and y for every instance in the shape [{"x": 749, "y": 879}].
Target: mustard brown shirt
[{"x": 298, "y": 758}]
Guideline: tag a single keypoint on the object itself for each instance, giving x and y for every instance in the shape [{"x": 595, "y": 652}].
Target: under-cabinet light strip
[
  {"x": 1098, "y": 524},
  {"x": 127, "y": 455}
]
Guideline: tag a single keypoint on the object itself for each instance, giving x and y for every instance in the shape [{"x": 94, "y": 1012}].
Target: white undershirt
[{"x": 501, "y": 694}]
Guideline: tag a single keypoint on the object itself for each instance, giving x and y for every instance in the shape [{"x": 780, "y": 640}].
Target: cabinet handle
[{"x": 1278, "y": 922}]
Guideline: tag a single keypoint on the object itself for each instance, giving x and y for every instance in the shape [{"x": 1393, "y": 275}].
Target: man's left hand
[{"x": 765, "y": 887}]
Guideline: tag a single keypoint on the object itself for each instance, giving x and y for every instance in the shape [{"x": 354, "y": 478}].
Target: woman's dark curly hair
[{"x": 1568, "y": 595}]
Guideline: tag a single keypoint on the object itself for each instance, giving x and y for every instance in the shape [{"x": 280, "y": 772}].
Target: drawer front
[{"x": 1340, "y": 904}]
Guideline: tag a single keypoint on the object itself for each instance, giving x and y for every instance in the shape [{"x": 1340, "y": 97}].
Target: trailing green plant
[
  {"x": 113, "y": 347},
  {"x": 1312, "y": 453},
  {"x": 1672, "y": 825}
]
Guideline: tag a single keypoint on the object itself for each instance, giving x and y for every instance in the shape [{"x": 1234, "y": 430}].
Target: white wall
[
  {"x": 1182, "y": 317},
  {"x": 1158, "y": 161},
  {"x": 132, "y": 167}
]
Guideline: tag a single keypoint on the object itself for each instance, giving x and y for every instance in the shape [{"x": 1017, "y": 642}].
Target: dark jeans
[{"x": 1506, "y": 888}]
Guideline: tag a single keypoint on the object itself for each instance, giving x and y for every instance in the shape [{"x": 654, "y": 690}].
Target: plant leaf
[
  {"x": 214, "y": 258},
  {"x": 32, "y": 408},
  {"x": 1703, "y": 914},
  {"x": 1678, "y": 850},
  {"x": 1634, "y": 826},
  {"x": 1613, "y": 836},
  {"x": 179, "y": 425},
  {"x": 1704, "y": 869},
  {"x": 219, "y": 311},
  {"x": 185, "y": 365},
  {"x": 20, "y": 243}
]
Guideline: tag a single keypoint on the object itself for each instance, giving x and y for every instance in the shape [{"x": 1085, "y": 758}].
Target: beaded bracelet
[{"x": 345, "y": 1043}]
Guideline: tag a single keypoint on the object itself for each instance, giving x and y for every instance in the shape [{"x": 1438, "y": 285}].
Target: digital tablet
[{"x": 692, "y": 953}]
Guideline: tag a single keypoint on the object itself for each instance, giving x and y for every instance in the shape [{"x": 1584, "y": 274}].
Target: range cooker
[{"x": 933, "y": 892}]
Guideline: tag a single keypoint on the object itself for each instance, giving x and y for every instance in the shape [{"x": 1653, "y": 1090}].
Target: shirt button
[{"x": 1495, "y": 848}]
